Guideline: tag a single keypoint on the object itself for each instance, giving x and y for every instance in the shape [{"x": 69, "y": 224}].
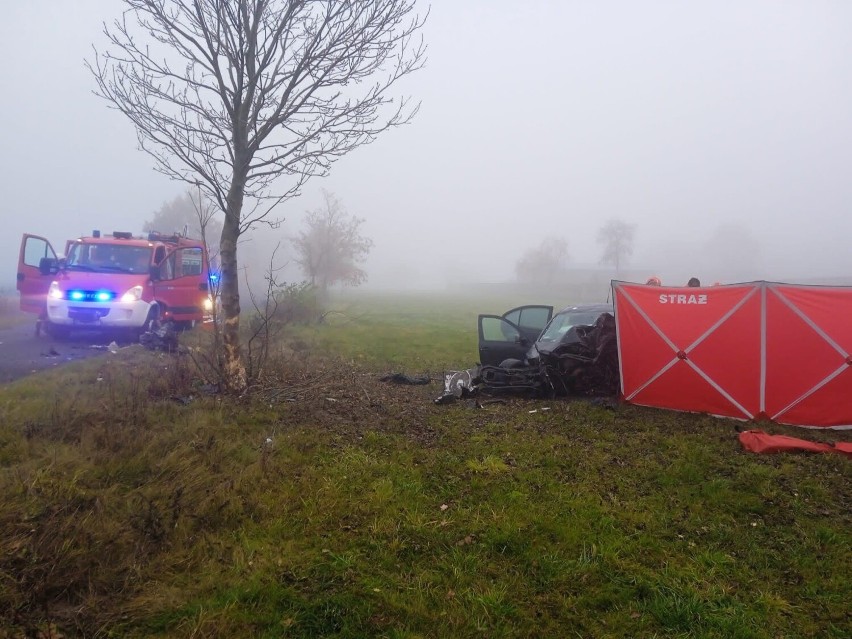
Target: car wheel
[{"x": 152, "y": 322}]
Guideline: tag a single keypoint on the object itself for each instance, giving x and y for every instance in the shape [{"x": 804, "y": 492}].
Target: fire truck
[{"x": 114, "y": 282}]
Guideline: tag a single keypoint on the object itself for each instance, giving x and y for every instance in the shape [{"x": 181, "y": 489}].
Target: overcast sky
[{"x": 697, "y": 122}]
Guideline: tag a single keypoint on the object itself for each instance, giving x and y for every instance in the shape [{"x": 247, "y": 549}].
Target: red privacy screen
[{"x": 755, "y": 350}]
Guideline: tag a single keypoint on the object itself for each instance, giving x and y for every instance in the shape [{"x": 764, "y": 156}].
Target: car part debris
[
  {"x": 458, "y": 384},
  {"x": 400, "y": 378},
  {"x": 163, "y": 336},
  {"x": 498, "y": 379}
]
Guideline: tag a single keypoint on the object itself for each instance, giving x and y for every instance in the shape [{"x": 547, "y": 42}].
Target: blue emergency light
[{"x": 90, "y": 296}]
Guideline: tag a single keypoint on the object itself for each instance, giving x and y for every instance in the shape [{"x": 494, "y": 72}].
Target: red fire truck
[{"x": 115, "y": 281}]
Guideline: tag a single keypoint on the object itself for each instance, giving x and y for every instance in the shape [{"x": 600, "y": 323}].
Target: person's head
[
  {"x": 693, "y": 281},
  {"x": 653, "y": 281}
]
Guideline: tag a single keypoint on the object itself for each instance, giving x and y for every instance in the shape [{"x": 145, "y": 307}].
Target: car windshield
[
  {"x": 562, "y": 323},
  {"x": 108, "y": 258}
]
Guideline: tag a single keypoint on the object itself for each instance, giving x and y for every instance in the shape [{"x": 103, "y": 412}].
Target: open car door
[
  {"x": 509, "y": 336},
  {"x": 33, "y": 279},
  {"x": 183, "y": 283}
]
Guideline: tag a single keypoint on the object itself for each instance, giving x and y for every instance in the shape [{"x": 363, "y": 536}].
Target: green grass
[
  {"x": 424, "y": 331},
  {"x": 373, "y": 512}
]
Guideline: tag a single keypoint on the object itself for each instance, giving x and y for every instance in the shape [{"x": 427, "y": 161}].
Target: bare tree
[
  {"x": 233, "y": 94},
  {"x": 544, "y": 263},
  {"x": 192, "y": 214},
  {"x": 617, "y": 239},
  {"x": 331, "y": 247}
]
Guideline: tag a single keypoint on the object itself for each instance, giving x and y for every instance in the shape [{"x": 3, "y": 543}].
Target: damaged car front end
[
  {"x": 528, "y": 350},
  {"x": 579, "y": 356}
]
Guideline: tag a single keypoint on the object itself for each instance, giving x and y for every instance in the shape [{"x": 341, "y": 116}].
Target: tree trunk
[{"x": 234, "y": 369}]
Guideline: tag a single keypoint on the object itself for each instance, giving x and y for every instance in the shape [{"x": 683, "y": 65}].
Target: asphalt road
[{"x": 22, "y": 353}]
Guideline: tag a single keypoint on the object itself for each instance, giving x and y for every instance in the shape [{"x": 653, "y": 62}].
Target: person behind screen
[
  {"x": 653, "y": 281},
  {"x": 693, "y": 282}
]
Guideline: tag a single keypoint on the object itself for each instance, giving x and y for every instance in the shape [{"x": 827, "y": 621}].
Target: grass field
[{"x": 330, "y": 504}]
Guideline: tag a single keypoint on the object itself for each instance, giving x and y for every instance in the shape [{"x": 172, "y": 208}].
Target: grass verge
[{"x": 329, "y": 504}]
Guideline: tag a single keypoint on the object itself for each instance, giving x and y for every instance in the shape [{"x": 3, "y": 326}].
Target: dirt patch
[{"x": 342, "y": 398}]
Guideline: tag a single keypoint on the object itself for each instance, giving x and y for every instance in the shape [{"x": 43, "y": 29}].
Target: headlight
[
  {"x": 133, "y": 295},
  {"x": 208, "y": 303},
  {"x": 53, "y": 292}
]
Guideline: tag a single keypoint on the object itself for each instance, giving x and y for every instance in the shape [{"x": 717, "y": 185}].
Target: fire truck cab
[{"x": 115, "y": 281}]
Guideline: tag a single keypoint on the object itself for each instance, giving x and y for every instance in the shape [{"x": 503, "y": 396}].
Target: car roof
[{"x": 586, "y": 308}]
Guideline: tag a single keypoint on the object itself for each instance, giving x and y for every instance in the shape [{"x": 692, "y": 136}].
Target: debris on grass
[
  {"x": 161, "y": 337},
  {"x": 401, "y": 378},
  {"x": 458, "y": 384}
]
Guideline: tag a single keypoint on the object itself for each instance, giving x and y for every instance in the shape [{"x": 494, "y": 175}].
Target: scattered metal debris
[
  {"x": 163, "y": 336},
  {"x": 458, "y": 384},
  {"x": 401, "y": 378},
  {"x": 488, "y": 402}
]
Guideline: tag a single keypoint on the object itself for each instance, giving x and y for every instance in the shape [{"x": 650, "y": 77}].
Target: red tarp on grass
[
  {"x": 755, "y": 350},
  {"x": 757, "y": 441}
]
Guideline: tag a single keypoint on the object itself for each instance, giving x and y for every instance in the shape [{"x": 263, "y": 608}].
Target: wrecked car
[{"x": 528, "y": 349}]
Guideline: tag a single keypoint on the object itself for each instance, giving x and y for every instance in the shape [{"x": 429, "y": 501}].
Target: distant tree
[
  {"x": 232, "y": 95},
  {"x": 189, "y": 213},
  {"x": 331, "y": 246},
  {"x": 544, "y": 263},
  {"x": 617, "y": 239}
]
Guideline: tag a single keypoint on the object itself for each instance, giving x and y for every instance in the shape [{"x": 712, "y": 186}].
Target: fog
[{"x": 721, "y": 130}]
